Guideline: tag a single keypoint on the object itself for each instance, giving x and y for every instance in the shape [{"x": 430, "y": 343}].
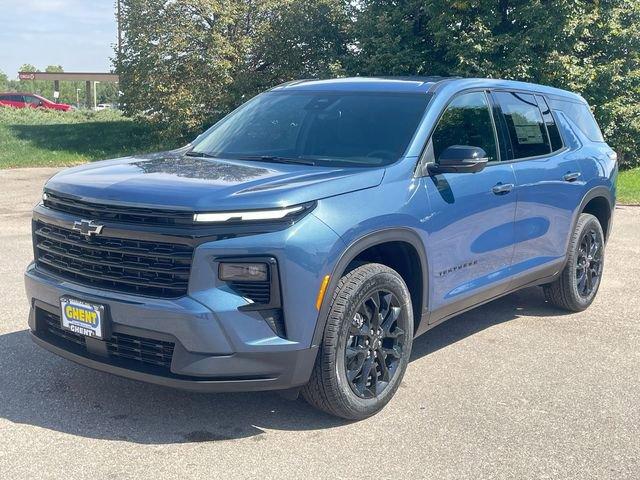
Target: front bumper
[{"x": 204, "y": 357}]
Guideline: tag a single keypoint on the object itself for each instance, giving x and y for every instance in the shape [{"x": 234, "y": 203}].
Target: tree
[
  {"x": 4, "y": 81},
  {"x": 302, "y": 39},
  {"x": 585, "y": 46},
  {"x": 27, "y": 67},
  {"x": 187, "y": 63}
]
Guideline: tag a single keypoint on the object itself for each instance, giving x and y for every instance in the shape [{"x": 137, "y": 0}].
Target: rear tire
[
  {"x": 577, "y": 285},
  {"x": 366, "y": 344}
]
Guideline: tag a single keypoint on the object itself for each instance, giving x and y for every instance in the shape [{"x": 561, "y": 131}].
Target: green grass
[
  {"x": 39, "y": 138},
  {"x": 629, "y": 187}
]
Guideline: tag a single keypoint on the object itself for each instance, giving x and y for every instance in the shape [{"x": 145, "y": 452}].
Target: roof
[
  {"x": 417, "y": 85},
  {"x": 364, "y": 84}
]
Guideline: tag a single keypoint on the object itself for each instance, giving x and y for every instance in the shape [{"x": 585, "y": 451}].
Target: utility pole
[
  {"x": 119, "y": 13},
  {"x": 95, "y": 95}
]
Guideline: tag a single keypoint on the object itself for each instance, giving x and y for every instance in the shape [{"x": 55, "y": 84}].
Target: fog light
[{"x": 243, "y": 272}]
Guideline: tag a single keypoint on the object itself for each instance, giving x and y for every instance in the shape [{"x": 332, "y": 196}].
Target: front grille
[
  {"x": 144, "y": 350},
  {"x": 53, "y": 327},
  {"x": 258, "y": 292},
  {"x": 115, "y": 213},
  {"x": 133, "y": 266},
  {"x": 141, "y": 351}
]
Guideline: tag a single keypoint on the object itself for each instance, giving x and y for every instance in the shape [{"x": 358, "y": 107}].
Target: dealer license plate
[{"x": 82, "y": 318}]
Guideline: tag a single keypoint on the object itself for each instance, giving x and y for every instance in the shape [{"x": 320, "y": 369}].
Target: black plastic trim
[
  {"x": 195, "y": 384},
  {"x": 595, "y": 192},
  {"x": 539, "y": 277}
]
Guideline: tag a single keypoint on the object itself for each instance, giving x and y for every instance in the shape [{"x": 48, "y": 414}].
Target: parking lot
[{"x": 514, "y": 389}]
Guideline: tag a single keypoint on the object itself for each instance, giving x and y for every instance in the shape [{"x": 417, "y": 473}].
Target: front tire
[
  {"x": 578, "y": 283},
  {"x": 366, "y": 344}
]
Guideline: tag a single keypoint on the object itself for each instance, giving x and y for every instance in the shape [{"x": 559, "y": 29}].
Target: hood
[{"x": 172, "y": 180}]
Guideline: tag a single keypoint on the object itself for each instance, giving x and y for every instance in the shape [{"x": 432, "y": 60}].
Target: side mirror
[{"x": 460, "y": 159}]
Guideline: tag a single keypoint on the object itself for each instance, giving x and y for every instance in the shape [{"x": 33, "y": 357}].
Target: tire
[
  {"x": 335, "y": 385},
  {"x": 577, "y": 285}
]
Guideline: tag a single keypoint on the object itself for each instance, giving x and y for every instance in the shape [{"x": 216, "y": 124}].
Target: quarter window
[
  {"x": 580, "y": 114},
  {"x": 524, "y": 123},
  {"x": 466, "y": 121}
]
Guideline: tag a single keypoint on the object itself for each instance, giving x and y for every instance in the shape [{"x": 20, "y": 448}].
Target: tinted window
[
  {"x": 341, "y": 128},
  {"x": 525, "y": 125},
  {"x": 552, "y": 128},
  {"x": 466, "y": 121},
  {"x": 581, "y": 115},
  {"x": 34, "y": 100}
]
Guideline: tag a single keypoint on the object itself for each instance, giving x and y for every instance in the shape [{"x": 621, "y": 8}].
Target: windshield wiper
[
  {"x": 276, "y": 159},
  {"x": 191, "y": 153}
]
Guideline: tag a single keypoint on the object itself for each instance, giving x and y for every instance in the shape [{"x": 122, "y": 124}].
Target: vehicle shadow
[
  {"x": 529, "y": 302},
  {"x": 46, "y": 391}
]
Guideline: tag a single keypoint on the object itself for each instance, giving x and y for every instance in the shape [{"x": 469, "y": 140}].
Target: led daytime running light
[{"x": 254, "y": 215}]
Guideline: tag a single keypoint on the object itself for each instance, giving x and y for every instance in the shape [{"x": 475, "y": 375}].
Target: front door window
[{"x": 466, "y": 121}]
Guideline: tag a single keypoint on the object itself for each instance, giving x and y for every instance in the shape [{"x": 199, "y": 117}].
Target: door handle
[
  {"x": 572, "y": 176},
  {"x": 502, "y": 188}
]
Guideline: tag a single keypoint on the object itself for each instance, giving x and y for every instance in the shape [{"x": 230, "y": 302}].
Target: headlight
[{"x": 243, "y": 272}]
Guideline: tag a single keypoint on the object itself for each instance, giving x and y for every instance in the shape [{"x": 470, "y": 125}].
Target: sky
[{"x": 80, "y": 35}]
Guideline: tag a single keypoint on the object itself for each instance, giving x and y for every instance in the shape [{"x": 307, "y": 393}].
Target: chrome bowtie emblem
[{"x": 87, "y": 228}]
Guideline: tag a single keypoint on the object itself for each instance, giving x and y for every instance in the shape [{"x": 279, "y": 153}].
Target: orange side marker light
[{"x": 322, "y": 291}]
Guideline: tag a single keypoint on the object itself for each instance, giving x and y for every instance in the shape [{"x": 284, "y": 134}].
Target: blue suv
[{"x": 305, "y": 240}]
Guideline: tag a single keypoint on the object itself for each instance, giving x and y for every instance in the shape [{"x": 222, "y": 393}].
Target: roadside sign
[{"x": 26, "y": 76}]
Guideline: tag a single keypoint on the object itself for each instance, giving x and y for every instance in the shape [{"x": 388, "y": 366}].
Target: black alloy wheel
[
  {"x": 577, "y": 284},
  {"x": 375, "y": 344},
  {"x": 366, "y": 343},
  {"x": 589, "y": 263}
]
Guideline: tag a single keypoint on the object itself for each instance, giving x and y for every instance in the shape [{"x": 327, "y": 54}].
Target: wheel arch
[
  {"x": 358, "y": 250},
  {"x": 598, "y": 202},
  {"x": 598, "y": 194}
]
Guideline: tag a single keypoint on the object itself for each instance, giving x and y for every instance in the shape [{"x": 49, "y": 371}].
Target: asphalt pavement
[{"x": 512, "y": 390}]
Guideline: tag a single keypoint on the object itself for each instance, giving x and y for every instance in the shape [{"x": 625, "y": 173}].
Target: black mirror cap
[{"x": 460, "y": 159}]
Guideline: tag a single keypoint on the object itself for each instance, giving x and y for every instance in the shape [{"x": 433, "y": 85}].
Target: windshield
[{"x": 321, "y": 128}]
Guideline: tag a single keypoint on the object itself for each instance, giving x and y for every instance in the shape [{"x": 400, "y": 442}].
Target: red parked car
[{"x": 30, "y": 100}]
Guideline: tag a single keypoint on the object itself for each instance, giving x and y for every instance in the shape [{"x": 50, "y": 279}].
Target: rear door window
[{"x": 524, "y": 122}]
